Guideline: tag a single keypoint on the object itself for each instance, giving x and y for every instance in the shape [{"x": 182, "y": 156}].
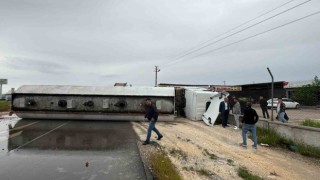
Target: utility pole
[
  {"x": 271, "y": 94},
  {"x": 156, "y": 79}
]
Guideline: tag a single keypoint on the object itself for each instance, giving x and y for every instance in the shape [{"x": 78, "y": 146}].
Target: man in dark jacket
[
  {"x": 264, "y": 107},
  {"x": 224, "y": 111},
  {"x": 152, "y": 117},
  {"x": 250, "y": 118}
]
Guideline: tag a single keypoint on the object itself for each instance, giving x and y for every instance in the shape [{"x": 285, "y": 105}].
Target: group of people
[
  {"x": 281, "y": 109},
  {"x": 225, "y": 108},
  {"x": 250, "y": 117}
]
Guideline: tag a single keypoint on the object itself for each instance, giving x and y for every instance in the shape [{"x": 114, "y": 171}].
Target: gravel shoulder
[{"x": 193, "y": 147}]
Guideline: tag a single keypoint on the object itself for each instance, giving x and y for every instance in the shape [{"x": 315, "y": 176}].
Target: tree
[{"x": 309, "y": 94}]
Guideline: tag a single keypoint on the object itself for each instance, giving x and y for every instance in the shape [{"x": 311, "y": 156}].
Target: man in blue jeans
[
  {"x": 250, "y": 118},
  {"x": 152, "y": 117},
  {"x": 281, "y": 110}
]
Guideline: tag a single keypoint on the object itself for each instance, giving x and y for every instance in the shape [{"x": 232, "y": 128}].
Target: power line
[
  {"x": 237, "y": 32},
  {"x": 236, "y": 27},
  {"x": 258, "y": 34}
]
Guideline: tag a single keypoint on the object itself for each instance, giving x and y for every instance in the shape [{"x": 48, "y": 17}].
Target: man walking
[
  {"x": 152, "y": 117},
  {"x": 250, "y": 118},
  {"x": 264, "y": 107},
  {"x": 224, "y": 111}
]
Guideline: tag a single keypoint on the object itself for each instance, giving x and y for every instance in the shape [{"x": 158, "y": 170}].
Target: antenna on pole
[{"x": 156, "y": 78}]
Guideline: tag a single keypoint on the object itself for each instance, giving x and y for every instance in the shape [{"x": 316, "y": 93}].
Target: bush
[
  {"x": 247, "y": 175},
  {"x": 309, "y": 94}
]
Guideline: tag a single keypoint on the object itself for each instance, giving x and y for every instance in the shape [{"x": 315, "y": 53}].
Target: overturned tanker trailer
[{"x": 91, "y": 102}]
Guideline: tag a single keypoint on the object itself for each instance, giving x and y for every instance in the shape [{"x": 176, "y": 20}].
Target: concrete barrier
[{"x": 304, "y": 134}]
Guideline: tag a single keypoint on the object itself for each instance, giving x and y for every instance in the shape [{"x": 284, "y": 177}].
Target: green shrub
[
  {"x": 247, "y": 175},
  {"x": 163, "y": 167}
]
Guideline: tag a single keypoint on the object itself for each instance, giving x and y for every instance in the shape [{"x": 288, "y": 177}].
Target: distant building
[
  {"x": 291, "y": 86},
  {"x": 250, "y": 91},
  {"x": 253, "y": 91},
  {"x": 182, "y": 85}
]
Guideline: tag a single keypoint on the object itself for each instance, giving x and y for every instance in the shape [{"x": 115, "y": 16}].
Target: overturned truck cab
[{"x": 91, "y": 102}]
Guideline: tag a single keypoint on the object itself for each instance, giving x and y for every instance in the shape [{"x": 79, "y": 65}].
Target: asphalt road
[{"x": 52, "y": 149}]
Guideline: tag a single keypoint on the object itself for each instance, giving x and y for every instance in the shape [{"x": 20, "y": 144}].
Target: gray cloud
[
  {"x": 101, "y": 42},
  {"x": 25, "y": 64}
]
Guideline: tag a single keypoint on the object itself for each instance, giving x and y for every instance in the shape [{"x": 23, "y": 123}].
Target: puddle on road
[{"x": 55, "y": 149}]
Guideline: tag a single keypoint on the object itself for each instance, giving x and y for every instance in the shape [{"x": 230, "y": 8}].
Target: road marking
[
  {"x": 39, "y": 136},
  {"x": 11, "y": 136},
  {"x": 20, "y": 127},
  {"x": 15, "y": 134}
]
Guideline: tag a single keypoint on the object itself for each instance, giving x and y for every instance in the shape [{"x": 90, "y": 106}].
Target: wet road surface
[{"x": 54, "y": 149}]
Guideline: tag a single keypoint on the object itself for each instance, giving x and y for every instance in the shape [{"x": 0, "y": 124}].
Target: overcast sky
[{"x": 101, "y": 42}]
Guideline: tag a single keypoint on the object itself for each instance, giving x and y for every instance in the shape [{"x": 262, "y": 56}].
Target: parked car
[{"x": 288, "y": 102}]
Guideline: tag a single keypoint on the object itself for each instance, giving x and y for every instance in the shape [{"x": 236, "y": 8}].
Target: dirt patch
[{"x": 202, "y": 152}]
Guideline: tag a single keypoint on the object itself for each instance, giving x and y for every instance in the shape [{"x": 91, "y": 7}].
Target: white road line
[{"x": 39, "y": 136}]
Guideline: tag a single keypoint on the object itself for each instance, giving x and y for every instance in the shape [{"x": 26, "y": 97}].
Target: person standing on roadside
[
  {"x": 152, "y": 117},
  {"x": 250, "y": 118},
  {"x": 232, "y": 102},
  {"x": 264, "y": 107},
  {"x": 224, "y": 111},
  {"x": 236, "y": 113},
  {"x": 281, "y": 110}
]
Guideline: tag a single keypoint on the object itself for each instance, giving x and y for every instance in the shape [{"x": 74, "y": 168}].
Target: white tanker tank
[{"x": 91, "y": 102}]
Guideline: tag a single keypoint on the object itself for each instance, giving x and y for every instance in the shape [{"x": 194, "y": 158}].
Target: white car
[{"x": 288, "y": 102}]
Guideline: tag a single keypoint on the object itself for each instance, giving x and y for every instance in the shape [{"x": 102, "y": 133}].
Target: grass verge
[
  {"x": 5, "y": 105},
  {"x": 311, "y": 123},
  {"x": 163, "y": 167},
  {"x": 247, "y": 175},
  {"x": 272, "y": 138}
]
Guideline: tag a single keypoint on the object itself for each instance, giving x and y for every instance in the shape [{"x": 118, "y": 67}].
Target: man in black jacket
[
  {"x": 250, "y": 118},
  {"x": 224, "y": 111},
  {"x": 152, "y": 117},
  {"x": 264, "y": 107}
]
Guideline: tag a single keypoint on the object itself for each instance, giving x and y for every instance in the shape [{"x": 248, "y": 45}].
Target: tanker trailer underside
[{"x": 91, "y": 103}]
